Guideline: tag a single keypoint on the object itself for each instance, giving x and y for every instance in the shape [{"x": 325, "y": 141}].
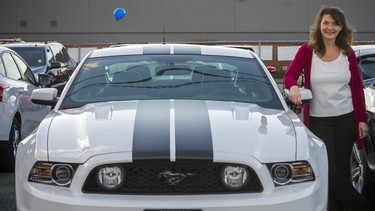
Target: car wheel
[
  {"x": 8, "y": 154},
  {"x": 361, "y": 174}
]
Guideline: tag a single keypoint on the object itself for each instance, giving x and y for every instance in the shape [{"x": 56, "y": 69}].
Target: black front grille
[{"x": 147, "y": 178}]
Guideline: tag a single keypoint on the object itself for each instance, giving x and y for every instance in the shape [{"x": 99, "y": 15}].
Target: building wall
[{"x": 92, "y": 21}]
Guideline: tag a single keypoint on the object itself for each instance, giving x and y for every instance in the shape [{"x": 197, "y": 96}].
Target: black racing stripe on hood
[
  {"x": 193, "y": 131},
  {"x": 151, "y": 131}
]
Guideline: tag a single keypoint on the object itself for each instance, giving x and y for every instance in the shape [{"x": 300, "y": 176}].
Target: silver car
[
  {"x": 18, "y": 115},
  {"x": 171, "y": 127},
  {"x": 363, "y": 160}
]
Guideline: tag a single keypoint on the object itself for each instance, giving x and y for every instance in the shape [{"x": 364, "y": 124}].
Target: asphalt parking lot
[{"x": 7, "y": 192}]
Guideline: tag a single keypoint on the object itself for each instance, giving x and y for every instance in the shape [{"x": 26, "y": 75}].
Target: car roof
[
  {"x": 363, "y": 47},
  {"x": 3, "y": 48},
  {"x": 246, "y": 47},
  {"x": 363, "y": 50},
  {"x": 29, "y": 44},
  {"x": 25, "y": 44},
  {"x": 172, "y": 49}
]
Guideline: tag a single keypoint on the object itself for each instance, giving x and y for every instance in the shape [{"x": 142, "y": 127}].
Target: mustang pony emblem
[{"x": 174, "y": 178}]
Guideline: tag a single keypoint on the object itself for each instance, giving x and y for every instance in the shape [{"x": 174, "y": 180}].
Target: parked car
[
  {"x": 18, "y": 115},
  {"x": 48, "y": 57},
  {"x": 363, "y": 161},
  {"x": 171, "y": 127}
]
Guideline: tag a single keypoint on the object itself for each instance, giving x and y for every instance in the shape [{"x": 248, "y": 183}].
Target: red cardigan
[{"x": 302, "y": 61}]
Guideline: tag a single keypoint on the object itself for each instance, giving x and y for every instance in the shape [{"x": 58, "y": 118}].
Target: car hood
[{"x": 170, "y": 129}]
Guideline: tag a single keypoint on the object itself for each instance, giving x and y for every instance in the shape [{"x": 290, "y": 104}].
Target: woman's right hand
[{"x": 295, "y": 95}]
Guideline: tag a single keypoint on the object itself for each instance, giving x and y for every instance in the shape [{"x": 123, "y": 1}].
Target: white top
[{"x": 330, "y": 87}]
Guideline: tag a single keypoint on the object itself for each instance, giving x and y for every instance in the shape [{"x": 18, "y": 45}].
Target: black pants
[{"x": 339, "y": 135}]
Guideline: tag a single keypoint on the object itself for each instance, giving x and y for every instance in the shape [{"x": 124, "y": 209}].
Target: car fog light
[
  {"x": 234, "y": 177},
  {"x": 110, "y": 177},
  {"x": 62, "y": 174}
]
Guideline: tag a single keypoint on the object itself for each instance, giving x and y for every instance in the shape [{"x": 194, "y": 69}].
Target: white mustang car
[{"x": 170, "y": 127}]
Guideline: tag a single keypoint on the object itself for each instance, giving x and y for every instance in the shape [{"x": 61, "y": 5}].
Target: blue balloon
[{"x": 119, "y": 14}]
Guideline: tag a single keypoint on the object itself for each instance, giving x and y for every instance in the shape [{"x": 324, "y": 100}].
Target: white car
[
  {"x": 170, "y": 127},
  {"x": 18, "y": 115}
]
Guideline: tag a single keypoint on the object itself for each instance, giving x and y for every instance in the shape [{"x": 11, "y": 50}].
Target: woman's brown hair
[{"x": 344, "y": 38}]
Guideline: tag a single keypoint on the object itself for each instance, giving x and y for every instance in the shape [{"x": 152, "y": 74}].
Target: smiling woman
[{"x": 336, "y": 114}]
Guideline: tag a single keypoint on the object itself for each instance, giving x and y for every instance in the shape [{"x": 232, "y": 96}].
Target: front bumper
[
  {"x": 309, "y": 196},
  {"x": 306, "y": 196}
]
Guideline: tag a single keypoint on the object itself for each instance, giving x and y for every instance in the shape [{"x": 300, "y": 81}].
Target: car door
[
  {"x": 22, "y": 83},
  {"x": 7, "y": 102}
]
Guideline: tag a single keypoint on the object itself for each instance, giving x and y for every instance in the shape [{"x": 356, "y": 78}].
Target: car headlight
[
  {"x": 234, "y": 177},
  {"x": 60, "y": 174},
  {"x": 110, "y": 177},
  {"x": 289, "y": 173}
]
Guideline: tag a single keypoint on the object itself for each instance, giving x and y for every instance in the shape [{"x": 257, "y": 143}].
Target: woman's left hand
[{"x": 362, "y": 130}]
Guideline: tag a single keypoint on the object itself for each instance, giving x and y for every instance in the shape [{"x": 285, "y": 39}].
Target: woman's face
[{"x": 329, "y": 28}]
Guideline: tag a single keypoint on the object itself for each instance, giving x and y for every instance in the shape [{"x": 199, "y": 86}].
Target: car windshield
[
  {"x": 33, "y": 56},
  {"x": 151, "y": 77}
]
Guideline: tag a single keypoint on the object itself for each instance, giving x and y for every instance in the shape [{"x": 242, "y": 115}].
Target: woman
[{"x": 336, "y": 114}]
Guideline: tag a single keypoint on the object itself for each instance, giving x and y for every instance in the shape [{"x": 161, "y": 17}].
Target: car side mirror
[
  {"x": 45, "y": 80},
  {"x": 44, "y": 96},
  {"x": 306, "y": 96}
]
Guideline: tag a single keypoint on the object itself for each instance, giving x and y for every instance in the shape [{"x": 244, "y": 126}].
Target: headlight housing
[
  {"x": 291, "y": 172},
  {"x": 60, "y": 174}
]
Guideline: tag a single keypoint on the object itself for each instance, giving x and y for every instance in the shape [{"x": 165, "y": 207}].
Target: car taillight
[
  {"x": 271, "y": 69},
  {"x": 3, "y": 86}
]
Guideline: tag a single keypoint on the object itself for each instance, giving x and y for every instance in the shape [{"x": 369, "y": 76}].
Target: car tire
[
  {"x": 8, "y": 153},
  {"x": 361, "y": 174}
]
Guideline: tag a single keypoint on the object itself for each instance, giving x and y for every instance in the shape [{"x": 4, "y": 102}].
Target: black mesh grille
[{"x": 147, "y": 178}]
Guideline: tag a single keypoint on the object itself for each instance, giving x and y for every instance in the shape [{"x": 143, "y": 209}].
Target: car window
[
  {"x": 11, "y": 69},
  {"x": 2, "y": 70},
  {"x": 26, "y": 73},
  {"x": 49, "y": 55},
  {"x": 367, "y": 67},
  {"x": 56, "y": 50},
  {"x": 172, "y": 77},
  {"x": 34, "y": 56},
  {"x": 65, "y": 54}
]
